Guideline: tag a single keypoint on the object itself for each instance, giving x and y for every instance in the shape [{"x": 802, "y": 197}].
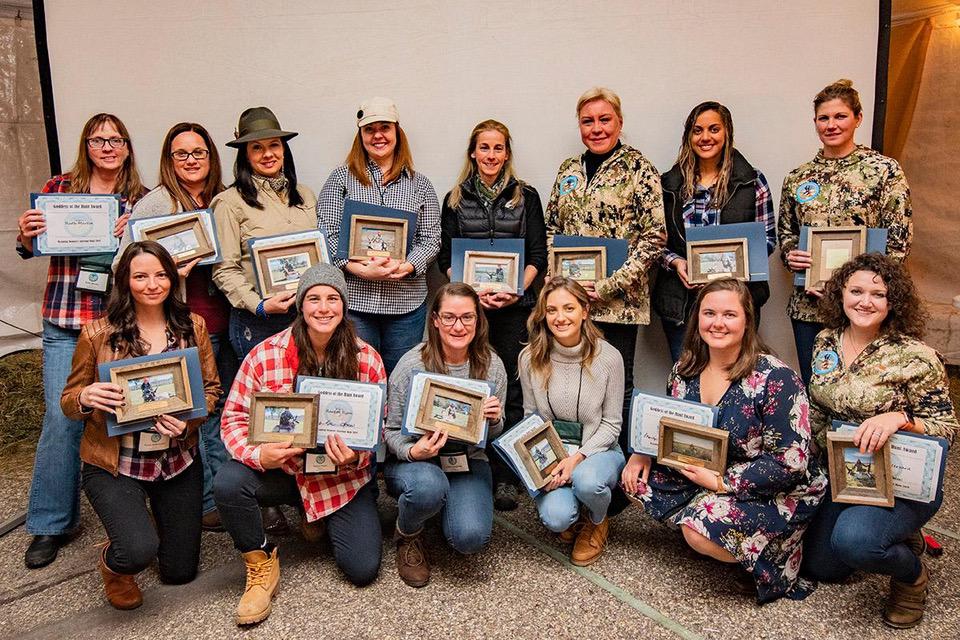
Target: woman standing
[
  {"x": 142, "y": 318},
  {"x": 387, "y": 296},
  {"x": 570, "y": 373},
  {"x": 871, "y": 368},
  {"x": 846, "y": 184},
  {"x": 105, "y": 164},
  {"x": 711, "y": 183},
  {"x": 489, "y": 201}
]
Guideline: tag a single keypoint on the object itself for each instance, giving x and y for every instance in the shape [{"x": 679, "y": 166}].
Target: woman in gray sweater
[
  {"x": 429, "y": 474},
  {"x": 570, "y": 374}
]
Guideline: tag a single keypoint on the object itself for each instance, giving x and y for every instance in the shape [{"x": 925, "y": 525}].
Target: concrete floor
[{"x": 647, "y": 585}]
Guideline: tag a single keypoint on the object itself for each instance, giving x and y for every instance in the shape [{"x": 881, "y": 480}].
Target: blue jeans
[
  {"x": 55, "y": 491},
  {"x": 423, "y": 490},
  {"x": 674, "y": 333},
  {"x": 846, "y": 537},
  {"x": 212, "y": 452},
  {"x": 391, "y": 335},
  {"x": 247, "y": 330},
  {"x": 804, "y": 333},
  {"x": 591, "y": 485}
]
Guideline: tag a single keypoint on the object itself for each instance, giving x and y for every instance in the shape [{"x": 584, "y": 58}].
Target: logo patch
[
  {"x": 568, "y": 184},
  {"x": 807, "y": 191},
  {"x": 825, "y": 362}
]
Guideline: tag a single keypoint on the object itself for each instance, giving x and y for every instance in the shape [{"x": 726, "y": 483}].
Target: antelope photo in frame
[
  {"x": 541, "y": 450},
  {"x": 859, "y": 478},
  {"x": 377, "y": 236},
  {"x": 283, "y": 417},
  {"x": 153, "y": 388},
  {"x": 583, "y": 264},
  {"x": 713, "y": 259},
  {"x": 454, "y": 410},
  {"x": 684, "y": 443},
  {"x": 184, "y": 238},
  {"x": 491, "y": 270},
  {"x": 829, "y": 248}
]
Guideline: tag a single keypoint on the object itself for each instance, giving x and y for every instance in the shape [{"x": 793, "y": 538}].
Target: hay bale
[{"x": 21, "y": 397}]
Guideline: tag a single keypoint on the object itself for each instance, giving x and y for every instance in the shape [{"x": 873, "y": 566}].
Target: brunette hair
[
  {"x": 128, "y": 182},
  {"x": 243, "y": 177},
  {"x": 696, "y": 353},
  {"x": 479, "y": 352},
  {"x": 340, "y": 354},
  {"x": 689, "y": 163},
  {"x": 840, "y": 90},
  {"x": 168, "y": 175},
  {"x": 121, "y": 310},
  {"x": 600, "y": 93},
  {"x": 541, "y": 340},
  {"x": 906, "y": 313},
  {"x": 469, "y": 169},
  {"x": 402, "y": 158}
]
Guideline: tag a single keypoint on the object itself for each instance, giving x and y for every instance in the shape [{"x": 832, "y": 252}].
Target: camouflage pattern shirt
[
  {"x": 894, "y": 373},
  {"x": 863, "y": 188},
  {"x": 624, "y": 200}
]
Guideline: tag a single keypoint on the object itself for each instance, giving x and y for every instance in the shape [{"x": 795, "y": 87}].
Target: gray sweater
[
  {"x": 601, "y": 396},
  {"x": 399, "y": 444}
]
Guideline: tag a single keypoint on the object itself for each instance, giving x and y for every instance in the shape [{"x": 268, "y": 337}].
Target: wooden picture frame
[
  {"x": 829, "y": 248},
  {"x": 540, "y": 451},
  {"x": 583, "y": 264},
  {"x": 853, "y": 473},
  {"x": 153, "y": 388},
  {"x": 280, "y": 265},
  {"x": 377, "y": 236},
  {"x": 491, "y": 270},
  {"x": 709, "y": 260},
  {"x": 185, "y": 238},
  {"x": 454, "y": 410},
  {"x": 283, "y": 417},
  {"x": 684, "y": 443}
]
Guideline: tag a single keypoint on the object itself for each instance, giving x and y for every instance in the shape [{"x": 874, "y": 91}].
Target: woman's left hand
[
  {"x": 338, "y": 450},
  {"x": 704, "y": 477},
  {"x": 562, "y": 473},
  {"x": 185, "y": 269},
  {"x": 491, "y": 408},
  {"x": 120, "y": 225},
  {"x": 169, "y": 426},
  {"x": 591, "y": 289},
  {"x": 405, "y": 269},
  {"x": 874, "y": 432}
]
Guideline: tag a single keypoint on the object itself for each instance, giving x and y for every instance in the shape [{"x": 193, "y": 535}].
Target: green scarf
[{"x": 488, "y": 194}]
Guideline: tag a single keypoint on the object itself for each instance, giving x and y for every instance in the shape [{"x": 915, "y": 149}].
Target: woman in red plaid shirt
[{"x": 321, "y": 342}]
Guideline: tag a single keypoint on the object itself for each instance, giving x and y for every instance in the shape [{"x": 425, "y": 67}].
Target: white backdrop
[{"x": 451, "y": 64}]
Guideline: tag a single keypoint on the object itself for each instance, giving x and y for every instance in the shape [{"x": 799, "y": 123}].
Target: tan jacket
[
  {"x": 237, "y": 223},
  {"x": 93, "y": 347}
]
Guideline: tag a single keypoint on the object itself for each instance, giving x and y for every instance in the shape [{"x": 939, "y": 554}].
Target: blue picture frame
[
  {"x": 646, "y": 409},
  {"x": 353, "y": 208},
  {"x": 71, "y": 205},
  {"x": 754, "y": 232},
  {"x": 876, "y": 243},
  {"x": 460, "y": 246},
  {"x": 138, "y": 225},
  {"x": 617, "y": 248},
  {"x": 367, "y": 398},
  {"x": 418, "y": 379}
]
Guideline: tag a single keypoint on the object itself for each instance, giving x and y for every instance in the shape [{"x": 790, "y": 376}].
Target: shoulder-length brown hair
[
  {"x": 541, "y": 340},
  {"x": 402, "y": 158},
  {"x": 340, "y": 354},
  {"x": 168, "y": 175},
  {"x": 479, "y": 352},
  {"x": 688, "y": 161},
  {"x": 906, "y": 313},
  {"x": 469, "y": 169},
  {"x": 128, "y": 182},
  {"x": 696, "y": 353}
]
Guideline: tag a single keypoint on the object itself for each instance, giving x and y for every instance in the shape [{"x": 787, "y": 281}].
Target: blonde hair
[
  {"x": 402, "y": 159},
  {"x": 469, "y": 169},
  {"x": 600, "y": 93},
  {"x": 840, "y": 90},
  {"x": 128, "y": 182}
]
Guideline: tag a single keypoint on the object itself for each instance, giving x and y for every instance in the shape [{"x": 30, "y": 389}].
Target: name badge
[
  {"x": 148, "y": 441},
  {"x": 94, "y": 281},
  {"x": 318, "y": 463},
  {"x": 456, "y": 463}
]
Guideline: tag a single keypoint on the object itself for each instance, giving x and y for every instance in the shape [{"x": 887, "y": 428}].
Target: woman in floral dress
[{"x": 756, "y": 512}]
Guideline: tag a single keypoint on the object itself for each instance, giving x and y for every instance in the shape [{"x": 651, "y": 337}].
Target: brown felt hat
[{"x": 258, "y": 123}]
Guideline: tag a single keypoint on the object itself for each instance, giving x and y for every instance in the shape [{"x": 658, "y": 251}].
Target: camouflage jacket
[
  {"x": 893, "y": 373},
  {"x": 623, "y": 200},
  {"x": 863, "y": 188}
]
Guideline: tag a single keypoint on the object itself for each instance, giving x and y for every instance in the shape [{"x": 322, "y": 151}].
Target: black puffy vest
[{"x": 498, "y": 221}]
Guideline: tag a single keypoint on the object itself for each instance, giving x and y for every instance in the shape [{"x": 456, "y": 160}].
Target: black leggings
[{"x": 176, "y": 505}]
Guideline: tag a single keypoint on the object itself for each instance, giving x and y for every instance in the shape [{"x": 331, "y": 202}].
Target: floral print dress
[{"x": 775, "y": 484}]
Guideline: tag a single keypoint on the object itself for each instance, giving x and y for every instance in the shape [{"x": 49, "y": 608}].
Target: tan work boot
[
  {"x": 590, "y": 542},
  {"x": 412, "y": 564},
  {"x": 122, "y": 590},
  {"x": 906, "y": 602},
  {"x": 568, "y": 536},
  {"x": 263, "y": 582}
]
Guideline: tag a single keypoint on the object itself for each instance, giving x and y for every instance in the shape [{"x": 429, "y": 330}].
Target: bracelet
[{"x": 261, "y": 313}]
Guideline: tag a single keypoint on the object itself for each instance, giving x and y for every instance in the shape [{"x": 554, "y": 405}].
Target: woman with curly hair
[{"x": 871, "y": 368}]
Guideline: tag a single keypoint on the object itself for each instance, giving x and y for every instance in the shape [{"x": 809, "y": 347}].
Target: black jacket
[{"x": 671, "y": 300}]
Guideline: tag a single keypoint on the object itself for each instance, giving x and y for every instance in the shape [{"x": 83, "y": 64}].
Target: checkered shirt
[
  {"x": 409, "y": 192},
  {"x": 272, "y": 366}
]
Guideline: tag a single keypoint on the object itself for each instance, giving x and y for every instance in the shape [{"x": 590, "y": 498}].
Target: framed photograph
[
  {"x": 77, "y": 223},
  {"x": 354, "y": 410},
  {"x": 283, "y": 417},
  {"x": 540, "y": 450},
  {"x": 417, "y": 391},
  {"x": 646, "y": 410},
  {"x": 583, "y": 264},
  {"x": 616, "y": 250},
  {"x": 859, "y": 478},
  {"x": 755, "y": 233},
  {"x": 829, "y": 248},
  {"x": 185, "y": 238},
  {"x": 453, "y": 409},
  {"x": 144, "y": 229},
  {"x": 712, "y": 259},
  {"x": 684, "y": 443},
  {"x": 491, "y": 270},
  {"x": 377, "y": 236},
  {"x": 279, "y": 261}
]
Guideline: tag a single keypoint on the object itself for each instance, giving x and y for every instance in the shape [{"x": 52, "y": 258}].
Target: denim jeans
[
  {"x": 804, "y": 333},
  {"x": 212, "y": 452},
  {"x": 846, "y": 537},
  {"x": 55, "y": 491},
  {"x": 423, "y": 490},
  {"x": 391, "y": 335},
  {"x": 623, "y": 338},
  {"x": 674, "y": 333},
  {"x": 247, "y": 330},
  {"x": 591, "y": 485},
  {"x": 508, "y": 335}
]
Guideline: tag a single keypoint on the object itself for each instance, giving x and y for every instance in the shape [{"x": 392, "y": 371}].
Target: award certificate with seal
[{"x": 77, "y": 223}]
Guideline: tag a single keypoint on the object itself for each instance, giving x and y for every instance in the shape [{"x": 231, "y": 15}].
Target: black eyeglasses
[
  {"x": 198, "y": 154},
  {"x": 449, "y": 319},
  {"x": 115, "y": 143}
]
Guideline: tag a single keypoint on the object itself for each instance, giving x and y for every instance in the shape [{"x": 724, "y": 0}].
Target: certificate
[
  {"x": 646, "y": 410},
  {"x": 353, "y": 410},
  {"x": 181, "y": 242},
  {"x": 415, "y": 397},
  {"x": 77, "y": 223}
]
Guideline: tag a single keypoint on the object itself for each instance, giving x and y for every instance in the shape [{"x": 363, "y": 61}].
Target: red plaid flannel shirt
[{"x": 272, "y": 366}]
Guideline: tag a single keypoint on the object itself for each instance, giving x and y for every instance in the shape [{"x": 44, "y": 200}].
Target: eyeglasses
[
  {"x": 449, "y": 319},
  {"x": 198, "y": 154},
  {"x": 115, "y": 143}
]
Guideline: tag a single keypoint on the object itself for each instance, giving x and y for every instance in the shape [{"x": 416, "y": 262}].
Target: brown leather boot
[
  {"x": 590, "y": 542},
  {"x": 906, "y": 602},
  {"x": 122, "y": 590},
  {"x": 916, "y": 542},
  {"x": 568, "y": 536},
  {"x": 263, "y": 582},
  {"x": 412, "y": 564},
  {"x": 313, "y": 531}
]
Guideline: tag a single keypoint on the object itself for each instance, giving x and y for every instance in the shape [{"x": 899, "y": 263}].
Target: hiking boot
[
  {"x": 313, "y": 531},
  {"x": 590, "y": 542},
  {"x": 568, "y": 536},
  {"x": 211, "y": 521},
  {"x": 505, "y": 497},
  {"x": 412, "y": 564},
  {"x": 916, "y": 543},
  {"x": 122, "y": 590},
  {"x": 263, "y": 582},
  {"x": 906, "y": 603},
  {"x": 274, "y": 522}
]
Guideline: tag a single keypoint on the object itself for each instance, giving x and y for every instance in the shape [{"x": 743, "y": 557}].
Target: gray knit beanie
[{"x": 322, "y": 274}]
